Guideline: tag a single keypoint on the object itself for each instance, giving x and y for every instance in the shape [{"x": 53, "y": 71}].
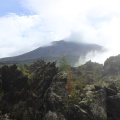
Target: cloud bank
[{"x": 92, "y": 22}]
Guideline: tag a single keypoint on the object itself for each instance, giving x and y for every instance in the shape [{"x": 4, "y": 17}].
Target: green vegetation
[
  {"x": 29, "y": 91},
  {"x": 112, "y": 65},
  {"x": 64, "y": 65}
]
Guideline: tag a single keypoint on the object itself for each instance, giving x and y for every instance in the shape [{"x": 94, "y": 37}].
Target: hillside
[
  {"x": 58, "y": 49},
  {"x": 42, "y": 91}
]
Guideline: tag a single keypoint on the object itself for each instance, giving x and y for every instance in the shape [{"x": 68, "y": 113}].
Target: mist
[
  {"x": 95, "y": 22},
  {"x": 95, "y": 56}
]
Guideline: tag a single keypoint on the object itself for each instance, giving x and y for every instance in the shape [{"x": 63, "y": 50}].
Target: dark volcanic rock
[
  {"x": 113, "y": 107},
  {"x": 76, "y": 113},
  {"x": 43, "y": 99},
  {"x": 94, "y": 102},
  {"x": 113, "y": 101},
  {"x": 53, "y": 116},
  {"x": 46, "y": 97},
  {"x": 55, "y": 97}
]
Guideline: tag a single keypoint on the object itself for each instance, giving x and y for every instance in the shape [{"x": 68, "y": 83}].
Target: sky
[{"x": 28, "y": 24}]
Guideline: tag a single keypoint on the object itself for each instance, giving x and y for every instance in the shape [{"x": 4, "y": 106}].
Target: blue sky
[
  {"x": 12, "y": 6},
  {"x": 28, "y": 24}
]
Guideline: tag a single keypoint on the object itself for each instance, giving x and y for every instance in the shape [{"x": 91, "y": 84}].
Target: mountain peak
[{"x": 58, "y": 49}]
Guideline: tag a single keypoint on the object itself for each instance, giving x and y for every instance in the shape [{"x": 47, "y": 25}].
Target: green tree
[
  {"x": 25, "y": 70},
  {"x": 64, "y": 65}
]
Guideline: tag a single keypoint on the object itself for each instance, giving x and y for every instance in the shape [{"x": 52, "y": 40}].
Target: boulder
[
  {"x": 94, "y": 102},
  {"x": 77, "y": 113},
  {"x": 56, "y": 94},
  {"x": 53, "y": 116},
  {"x": 113, "y": 107}
]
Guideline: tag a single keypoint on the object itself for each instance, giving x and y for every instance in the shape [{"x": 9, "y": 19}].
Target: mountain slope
[{"x": 55, "y": 51}]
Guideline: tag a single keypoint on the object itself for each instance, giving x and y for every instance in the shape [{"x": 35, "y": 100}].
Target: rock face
[
  {"x": 56, "y": 94},
  {"x": 113, "y": 102},
  {"x": 46, "y": 98},
  {"x": 53, "y": 116},
  {"x": 112, "y": 65},
  {"x": 97, "y": 103},
  {"x": 75, "y": 112},
  {"x": 94, "y": 102},
  {"x": 55, "y": 98},
  {"x": 113, "y": 107},
  {"x": 92, "y": 105},
  {"x": 43, "y": 99},
  {"x": 101, "y": 103}
]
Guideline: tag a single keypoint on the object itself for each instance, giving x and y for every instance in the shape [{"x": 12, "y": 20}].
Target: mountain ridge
[{"x": 54, "y": 51}]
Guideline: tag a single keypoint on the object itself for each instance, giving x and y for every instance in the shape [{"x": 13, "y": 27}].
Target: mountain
[{"x": 58, "y": 49}]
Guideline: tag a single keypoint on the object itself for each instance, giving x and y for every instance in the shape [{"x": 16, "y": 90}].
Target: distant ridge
[{"x": 58, "y": 49}]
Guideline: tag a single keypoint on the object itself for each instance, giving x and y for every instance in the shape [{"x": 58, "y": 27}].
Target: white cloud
[
  {"x": 19, "y": 34},
  {"x": 95, "y": 21},
  {"x": 64, "y": 16}
]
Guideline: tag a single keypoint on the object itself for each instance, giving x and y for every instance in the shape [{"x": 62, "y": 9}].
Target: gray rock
[
  {"x": 56, "y": 95},
  {"x": 53, "y": 116},
  {"x": 113, "y": 107},
  {"x": 76, "y": 113},
  {"x": 94, "y": 102}
]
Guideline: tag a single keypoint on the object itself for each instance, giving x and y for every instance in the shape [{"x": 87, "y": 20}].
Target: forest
[{"x": 46, "y": 91}]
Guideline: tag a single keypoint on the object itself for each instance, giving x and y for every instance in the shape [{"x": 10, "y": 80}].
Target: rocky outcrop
[
  {"x": 75, "y": 112},
  {"x": 43, "y": 99},
  {"x": 94, "y": 102},
  {"x": 113, "y": 101},
  {"x": 46, "y": 98},
  {"x": 101, "y": 103},
  {"x": 54, "y": 116},
  {"x": 55, "y": 97},
  {"x": 113, "y": 107}
]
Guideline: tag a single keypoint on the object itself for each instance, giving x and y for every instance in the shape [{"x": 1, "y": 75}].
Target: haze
[{"x": 28, "y": 24}]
